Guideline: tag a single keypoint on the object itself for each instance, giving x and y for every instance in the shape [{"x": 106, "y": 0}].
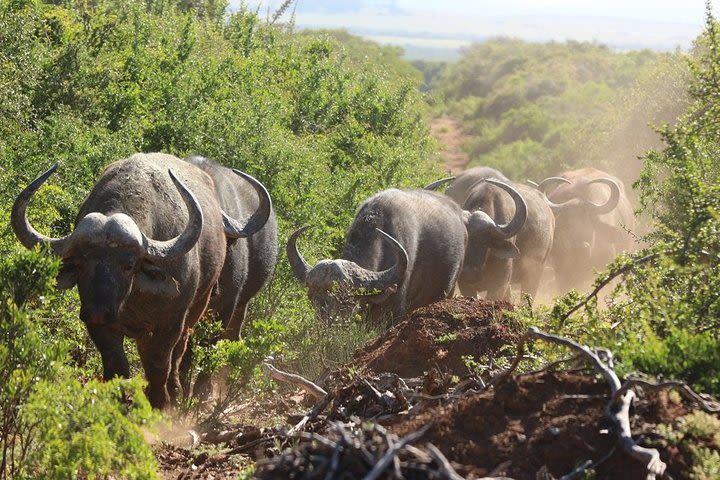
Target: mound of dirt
[
  {"x": 535, "y": 422},
  {"x": 539, "y": 425},
  {"x": 439, "y": 336}
]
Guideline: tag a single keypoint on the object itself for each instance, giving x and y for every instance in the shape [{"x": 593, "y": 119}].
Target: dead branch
[
  {"x": 581, "y": 470},
  {"x": 312, "y": 414},
  {"x": 618, "y": 407},
  {"x": 500, "y": 377},
  {"x": 442, "y": 462},
  {"x": 293, "y": 379},
  {"x": 682, "y": 387},
  {"x": 612, "y": 276},
  {"x": 380, "y": 467}
]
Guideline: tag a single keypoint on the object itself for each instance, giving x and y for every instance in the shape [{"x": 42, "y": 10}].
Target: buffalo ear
[
  {"x": 152, "y": 279},
  {"x": 67, "y": 277},
  {"x": 504, "y": 249}
]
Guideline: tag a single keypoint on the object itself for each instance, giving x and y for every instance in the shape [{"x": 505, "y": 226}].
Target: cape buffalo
[
  {"x": 146, "y": 253},
  {"x": 491, "y": 263},
  {"x": 498, "y": 255},
  {"x": 464, "y": 181},
  {"x": 249, "y": 261},
  {"x": 592, "y": 216},
  {"x": 404, "y": 250}
]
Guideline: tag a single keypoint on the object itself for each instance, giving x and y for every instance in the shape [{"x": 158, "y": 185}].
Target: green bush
[
  {"x": 50, "y": 423},
  {"x": 662, "y": 317}
]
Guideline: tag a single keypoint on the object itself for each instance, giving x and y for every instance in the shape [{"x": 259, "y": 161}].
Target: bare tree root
[
  {"x": 293, "y": 379},
  {"x": 618, "y": 407},
  {"x": 682, "y": 388}
]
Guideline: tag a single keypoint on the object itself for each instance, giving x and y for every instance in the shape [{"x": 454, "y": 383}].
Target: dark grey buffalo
[
  {"x": 146, "y": 253},
  {"x": 404, "y": 250},
  {"x": 509, "y": 239},
  {"x": 249, "y": 260},
  {"x": 515, "y": 253},
  {"x": 592, "y": 219}
]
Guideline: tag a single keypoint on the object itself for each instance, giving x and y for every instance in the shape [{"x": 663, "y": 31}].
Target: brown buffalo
[
  {"x": 146, "y": 253},
  {"x": 592, "y": 219}
]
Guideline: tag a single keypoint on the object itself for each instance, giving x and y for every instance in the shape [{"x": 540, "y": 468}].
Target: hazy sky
[
  {"x": 620, "y": 24},
  {"x": 690, "y": 11}
]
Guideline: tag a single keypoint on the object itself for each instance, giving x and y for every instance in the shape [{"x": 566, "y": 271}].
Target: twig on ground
[
  {"x": 380, "y": 467},
  {"x": 502, "y": 376},
  {"x": 442, "y": 462},
  {"x": 312, "y": 414},
  {"x": 293, "y": 379},
  {"x": 249, "y": 446},
  {"x": 582, "y": 469}
]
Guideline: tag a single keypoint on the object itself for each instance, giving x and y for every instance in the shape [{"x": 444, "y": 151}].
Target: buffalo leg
[
  {"x": 181, "y": 374},
  {"x": 110, "y": 346},
  {"x": 202, "y": 387},
  {"x": 232, "y": 328},
  {"x": 467, "y": 289},
  {"x": 156, "y": 356},
  {"x": 529, "y": 272},
  {"x": 174, "y": 385}
]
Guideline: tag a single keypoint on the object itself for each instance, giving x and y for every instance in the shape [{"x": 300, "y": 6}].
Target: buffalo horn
[
  {"x": 513, "y": 226},
  {"x": 236, "y": 229},
  {"x": 24, "y": 231},
  {"x": 438, "y": 183},
  {"x": 614, "y": 199},
  {"x": 181, "y": 244},
  {"x": 394, "y": 275},
  {"x": 545, "y": 185},
  {"x": 299, "y": 266}
]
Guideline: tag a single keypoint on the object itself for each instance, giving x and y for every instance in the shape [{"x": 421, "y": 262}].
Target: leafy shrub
[
  {"x": 50, "y": 423},
  {"x": 662, "y": 318}
]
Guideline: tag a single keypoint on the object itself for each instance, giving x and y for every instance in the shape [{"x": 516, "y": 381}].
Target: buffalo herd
[{"x": 161, "y": 241}]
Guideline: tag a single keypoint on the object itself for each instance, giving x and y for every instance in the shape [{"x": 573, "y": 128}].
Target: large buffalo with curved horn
[
  {"x": 404, "y": 250},
  {"x": 250, "y": 259},
  {"x": 498, "y": 256},
  {"x": 146, "y": 253},
  {"x": 592, "y": 219}
]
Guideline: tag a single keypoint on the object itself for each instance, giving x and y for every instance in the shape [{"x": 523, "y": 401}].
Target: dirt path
[{"x": 448, "y": 133}]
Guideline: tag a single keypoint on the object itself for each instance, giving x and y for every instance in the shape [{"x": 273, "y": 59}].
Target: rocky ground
[{"x": 426, "y": 383}]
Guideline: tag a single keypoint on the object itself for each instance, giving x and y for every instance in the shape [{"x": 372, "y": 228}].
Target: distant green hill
[{"x": 534, "y": 109}]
